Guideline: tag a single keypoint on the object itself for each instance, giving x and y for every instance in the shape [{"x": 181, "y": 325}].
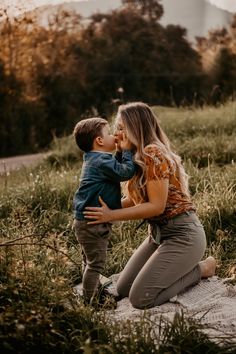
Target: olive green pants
[
  {"x": 155, "y": 273},
  {"x": 93, "y": 240}
]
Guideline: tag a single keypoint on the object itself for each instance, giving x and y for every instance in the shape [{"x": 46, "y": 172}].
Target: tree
[
  {"x": 224, "y": 75},
  {"x": 12, "y": 124},
  {"x": 218, "y": 53},
  {"x": 184, "y": 70},
  {"x": 150, "y": 8},
  {"x": 37, "y": 75},
  {"x": 71, "y": 70},
  {"x": 150, "y": 62}
]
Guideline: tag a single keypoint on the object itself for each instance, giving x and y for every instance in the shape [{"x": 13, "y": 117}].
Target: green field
[{"x": 40, "y": 260}]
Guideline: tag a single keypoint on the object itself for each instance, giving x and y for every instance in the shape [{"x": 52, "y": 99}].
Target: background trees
[
  {"x": 53, "y": 76},
  {"x": 129, "y": 50},
  {"x": 218, "y": 53}
]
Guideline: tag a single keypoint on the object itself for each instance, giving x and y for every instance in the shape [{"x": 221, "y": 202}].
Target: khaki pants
[
  {"x": 155, "y": 273},
  {"x": 93, "y": 240}
]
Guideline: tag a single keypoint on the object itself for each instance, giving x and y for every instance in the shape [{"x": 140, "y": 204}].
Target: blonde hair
[{"x": 143, "y": 129}]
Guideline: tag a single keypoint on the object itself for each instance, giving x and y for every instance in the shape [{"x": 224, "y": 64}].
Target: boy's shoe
[
  {"x": 110, "y": 292},
  {"x": 108, "y": 288},
  {"x": 104, "y": 300}
]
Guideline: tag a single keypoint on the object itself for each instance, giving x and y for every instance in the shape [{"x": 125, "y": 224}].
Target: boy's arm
[
  {"x": 118, "y": 171},
  {"x": 118, "y": 156}
]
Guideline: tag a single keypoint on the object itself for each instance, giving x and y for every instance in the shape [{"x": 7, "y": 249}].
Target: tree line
[{"x": 52, "y": 76}]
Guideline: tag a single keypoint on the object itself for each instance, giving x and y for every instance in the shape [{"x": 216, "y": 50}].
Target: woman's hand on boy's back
[{"x": 98, "y": 214}]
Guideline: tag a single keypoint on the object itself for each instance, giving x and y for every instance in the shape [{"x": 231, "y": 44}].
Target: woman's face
[
  {"x": 119, "y": 130},
  {"x": 121, "y": 139}
]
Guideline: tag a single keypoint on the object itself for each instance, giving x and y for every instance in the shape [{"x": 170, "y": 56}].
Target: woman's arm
[
  {"x": 126, "y": 202},
  {"x": 157, "y": 191}
]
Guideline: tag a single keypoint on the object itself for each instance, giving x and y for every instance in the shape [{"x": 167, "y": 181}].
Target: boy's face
[{"x": 108, "y": 139}]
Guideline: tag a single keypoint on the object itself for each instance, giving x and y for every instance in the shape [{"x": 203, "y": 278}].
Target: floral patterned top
[{"x": 159, "y": 167}]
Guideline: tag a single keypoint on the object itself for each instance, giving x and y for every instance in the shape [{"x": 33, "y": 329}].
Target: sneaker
[
  {"x": 104, "y": 300},
  {"x": 110, "y": 290}
]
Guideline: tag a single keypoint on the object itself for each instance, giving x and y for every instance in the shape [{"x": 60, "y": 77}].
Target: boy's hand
[
  {"x": 125, "y": 144},
  {"x": 118, "y": 145}
]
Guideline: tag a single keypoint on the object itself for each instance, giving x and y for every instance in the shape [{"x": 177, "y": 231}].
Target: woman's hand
[{"x": 100, "y": 214}]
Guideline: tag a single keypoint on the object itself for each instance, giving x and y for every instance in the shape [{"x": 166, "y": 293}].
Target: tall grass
[
  {"x": 40, "y": 259},
  {"x": 202, "y": 135},
  {"x": 184, "y": 124}
]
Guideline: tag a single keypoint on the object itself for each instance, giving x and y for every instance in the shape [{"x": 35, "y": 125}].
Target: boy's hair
[{"x": 87, "y": 130}]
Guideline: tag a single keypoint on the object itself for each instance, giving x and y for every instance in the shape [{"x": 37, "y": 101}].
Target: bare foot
[{"x": 208, "y": 267}]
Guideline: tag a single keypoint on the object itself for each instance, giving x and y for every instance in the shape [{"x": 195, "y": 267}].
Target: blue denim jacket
[{"x": 101, "y": 176}]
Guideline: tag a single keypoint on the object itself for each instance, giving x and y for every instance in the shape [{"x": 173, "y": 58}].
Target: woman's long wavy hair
[{"x": 142, "y": 129}]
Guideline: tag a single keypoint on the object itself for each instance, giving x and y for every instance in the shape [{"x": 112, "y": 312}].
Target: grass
[
  {"x": 40, "y": 260},
  {"x": 185, "y": 123},
  {"x": 202, "y": 135}
]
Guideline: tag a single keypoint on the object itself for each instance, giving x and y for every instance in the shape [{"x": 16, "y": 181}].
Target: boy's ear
[{"x": 99, "y": 140}]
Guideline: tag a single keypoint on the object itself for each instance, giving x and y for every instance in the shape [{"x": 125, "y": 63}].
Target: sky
[
  {"x": 15, "y": 7},
  {"x": 229, "y": 5}
]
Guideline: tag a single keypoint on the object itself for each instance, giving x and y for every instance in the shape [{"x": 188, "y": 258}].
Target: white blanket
[{"x": 212, "y": 302}]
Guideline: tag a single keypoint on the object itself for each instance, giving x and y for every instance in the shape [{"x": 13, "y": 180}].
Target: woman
[{"x": 168, "y": 261}]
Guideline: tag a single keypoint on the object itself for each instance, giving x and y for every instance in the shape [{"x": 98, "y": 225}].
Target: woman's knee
[
  {"x": 141, "y": 300},
  {"x": 137, "y": 303},
  {"x": 122, "y": 289}
]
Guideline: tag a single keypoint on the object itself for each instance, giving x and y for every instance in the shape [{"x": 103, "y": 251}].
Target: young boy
[{"x": 100, "y": 177}]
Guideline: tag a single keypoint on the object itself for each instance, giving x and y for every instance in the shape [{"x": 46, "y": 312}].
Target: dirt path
[{"x": 14, "y": 163}]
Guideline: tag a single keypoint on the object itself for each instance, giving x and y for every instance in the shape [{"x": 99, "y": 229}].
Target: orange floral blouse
[{"x": 159, "y": 167}]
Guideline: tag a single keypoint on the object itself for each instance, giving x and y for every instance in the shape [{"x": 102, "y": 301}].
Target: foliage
[
  {"x": 224, "y": 73},
  {"x": 161, "y": 76},
  {"x": 152, "y": 9},
  {"x": 218, "y": 53},
  {"x": 202, "y": 135},
  {"x": 48, "y": 92},
  {"x": 73, "y": 69},
  {"x": 63, "y": 151},
  {"x": 183, "y": 336},
  {"x": 40, "y": 259},
  {"x": 13, "y": 126}
]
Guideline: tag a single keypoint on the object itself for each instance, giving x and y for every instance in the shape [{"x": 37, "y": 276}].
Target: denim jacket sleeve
[
  {"x": 118, "y": 156},
  {"x": 118, "y": 171}
]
